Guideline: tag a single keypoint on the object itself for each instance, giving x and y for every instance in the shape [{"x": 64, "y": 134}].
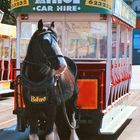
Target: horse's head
[{"x": 46, "y": 40}]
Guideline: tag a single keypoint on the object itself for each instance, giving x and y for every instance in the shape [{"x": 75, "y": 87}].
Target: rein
[{"x": 63, "y": 104}]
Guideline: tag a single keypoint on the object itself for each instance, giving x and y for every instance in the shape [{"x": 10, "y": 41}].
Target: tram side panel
[
  {"x": 92, "y": 100},
  {"x": 91, "y": 97}
]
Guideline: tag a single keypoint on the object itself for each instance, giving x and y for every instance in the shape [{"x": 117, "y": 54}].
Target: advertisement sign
[
  {"x": 105, "y": 4},
  {"x": 115, "y": 7},
  {"x": 19, "y": 3},
  {"x": 92, "y": 6},
  {"x": 124, "y": 12}
]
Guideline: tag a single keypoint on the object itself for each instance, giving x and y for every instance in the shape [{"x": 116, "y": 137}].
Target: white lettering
[
  {"x": 44, "y": 8},
  {"x": 67, "y": 8},
  {"x": 76, "y": 1},
  {"x": 59, "y": 8},
  {"x": 38, "y": 8},
  {"x": 74, "y": 8},
  {"x": 48, "y": 1},
  {"x": 56, "y": 1},
  {"x": 50, "y": 8},
  {"x": 67, "y": 1},
  {"x": 40, "y": 2}
]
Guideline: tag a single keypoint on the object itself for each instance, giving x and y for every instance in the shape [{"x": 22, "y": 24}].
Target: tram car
[
  {"x": 7, "y": 57},
  {"x": 97, "y": 35}
]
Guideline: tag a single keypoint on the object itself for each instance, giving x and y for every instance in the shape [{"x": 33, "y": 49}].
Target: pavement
[
  {"x": 135, "y": 81},
  {"x": 132, "y": 130},
  {"x": 11, "y": 133}
]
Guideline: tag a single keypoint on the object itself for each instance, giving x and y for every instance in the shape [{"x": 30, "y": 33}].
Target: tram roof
[
  {"x": 113, "y": 7},
  {"x": 7, "y": 30}
]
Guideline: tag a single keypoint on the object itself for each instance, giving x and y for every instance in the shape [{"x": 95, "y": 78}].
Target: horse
[{"x": 49, "y": 85}]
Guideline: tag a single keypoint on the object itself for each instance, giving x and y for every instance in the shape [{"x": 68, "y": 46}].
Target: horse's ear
[
  {"x": 52, "y": 24},
  {"x": 40, "y": 25}
]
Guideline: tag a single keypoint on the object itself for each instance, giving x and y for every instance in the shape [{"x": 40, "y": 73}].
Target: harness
[{"x": 42, "y": 85}]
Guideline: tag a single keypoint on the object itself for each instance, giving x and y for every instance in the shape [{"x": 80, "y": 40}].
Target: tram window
[
  {"x": 23, "y": 47},
  {"x": 29, "y": 27},
  {"x": 128, "y": 43},
  {"x": 114, "y": 40},
  {"x": 122, "y": 42},
  {"x": 6, "y": 48},
  {"x": 13, "y": 45},
  {"x": 86, "y": 39},
  {"x": 1, "y": 49}
]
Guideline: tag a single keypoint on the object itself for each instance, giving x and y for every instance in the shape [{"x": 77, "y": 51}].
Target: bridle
[{"x": 42, "y": 52}]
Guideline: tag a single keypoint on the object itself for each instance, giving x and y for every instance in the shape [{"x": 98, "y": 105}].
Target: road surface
[{"x": 129, "y": 131}]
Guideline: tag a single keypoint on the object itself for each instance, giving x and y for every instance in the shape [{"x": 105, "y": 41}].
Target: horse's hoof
[
  {"x": 33, "y": 137},
  {"x": 50, "y": 136}
]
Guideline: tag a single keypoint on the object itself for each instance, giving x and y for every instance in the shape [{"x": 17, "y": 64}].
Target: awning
[{"x": 7, "y": 30}]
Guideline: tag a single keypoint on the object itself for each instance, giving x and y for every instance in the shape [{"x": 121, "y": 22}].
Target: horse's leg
[
  {"x": 32, "y": 112},
  {"x": 50, "y": 112},
  {"x": 33, "y": 127},
  {"x": 33, "y": 137},
  {"x": 50, "y": 136},
  {"x": 63, "y": 128}
]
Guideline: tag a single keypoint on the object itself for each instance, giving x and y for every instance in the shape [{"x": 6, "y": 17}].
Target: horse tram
[
  {"x": 7, "y": 57},
  {"x": 97, "y": 36}
]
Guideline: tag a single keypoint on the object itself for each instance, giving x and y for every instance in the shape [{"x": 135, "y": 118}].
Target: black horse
[{"x": 49, "y": 85}]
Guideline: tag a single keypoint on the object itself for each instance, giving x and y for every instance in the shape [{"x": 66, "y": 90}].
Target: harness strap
[
  {"x": 49, "y": 57},
  {"x": 40, "y": 64},
  {"x": 36, "y": 85},
  {"x": 33, "y": 63},
  {"x": 63, "y": 105},
  {"x": 48, "y": 32}
]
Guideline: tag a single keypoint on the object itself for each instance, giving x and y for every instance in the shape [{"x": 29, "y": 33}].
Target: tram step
[
  {"x": 5, "y": 91},
  {"x": 117, "y": 120}
]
